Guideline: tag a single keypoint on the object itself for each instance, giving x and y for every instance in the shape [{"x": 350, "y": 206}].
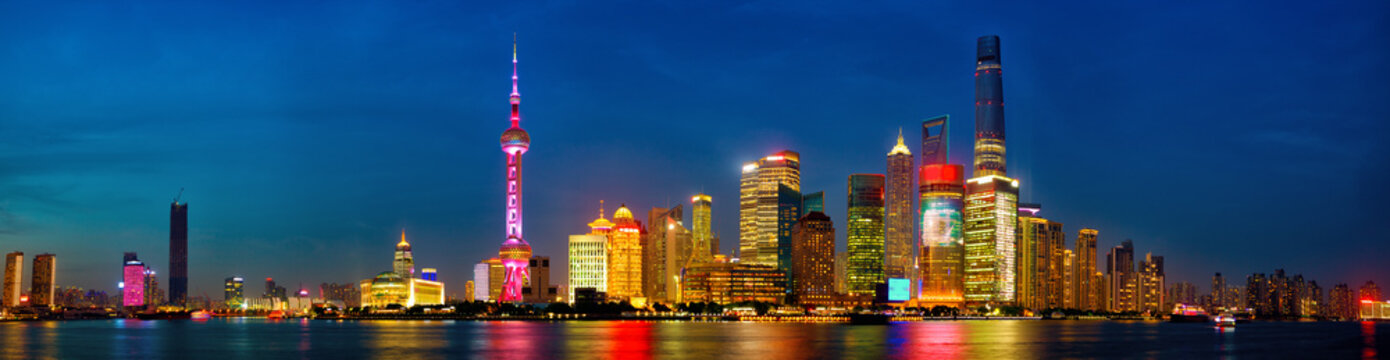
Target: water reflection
[{"x": 296, "y": 338}]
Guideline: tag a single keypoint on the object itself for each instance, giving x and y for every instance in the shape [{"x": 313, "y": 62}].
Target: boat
[
  {"x": 277, "y": 314},
  {"x": 1183, "y": 313},
  {"x": 1226, "y": 319},
  {"x": 200, "y": 315}
]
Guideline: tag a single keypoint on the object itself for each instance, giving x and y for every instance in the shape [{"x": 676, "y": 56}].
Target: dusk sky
[{"x": 1232, "y": 137}]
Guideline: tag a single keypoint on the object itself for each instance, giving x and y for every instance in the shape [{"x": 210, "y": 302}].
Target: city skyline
[{"x": 78, "y": 154}]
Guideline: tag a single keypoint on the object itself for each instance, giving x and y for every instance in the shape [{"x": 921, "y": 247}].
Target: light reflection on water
[{"x": 237, "y": 338}]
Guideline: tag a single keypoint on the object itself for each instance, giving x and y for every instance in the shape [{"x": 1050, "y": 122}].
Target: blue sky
[{"x": 1227, "y": 136}]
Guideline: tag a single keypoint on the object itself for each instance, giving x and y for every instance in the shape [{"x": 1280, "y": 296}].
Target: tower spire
[
  {"x": 900, "y": 148},
  {"x": 600, "y": 208},
  {"x": 516, "y": 96}
]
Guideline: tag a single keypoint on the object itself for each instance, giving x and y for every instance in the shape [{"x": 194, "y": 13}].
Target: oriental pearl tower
[{"x": 515, "y": 252}]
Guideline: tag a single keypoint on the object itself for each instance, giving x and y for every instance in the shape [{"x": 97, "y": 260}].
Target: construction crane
[{"x": 179, "y": 196}]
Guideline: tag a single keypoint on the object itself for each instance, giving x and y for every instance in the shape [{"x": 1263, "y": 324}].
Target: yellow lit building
[
  {"x": 625, "y": 256},
  {"x": 991, "y": 221},
  {"x": 758, "y": 216},
  {"x": 588, "y": 257},
  {"x": 726, "y": 283},
  {"x": 390, "y": 288}
]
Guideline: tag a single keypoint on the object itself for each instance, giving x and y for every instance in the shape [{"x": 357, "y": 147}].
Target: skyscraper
[
  {"x": 232, "y": 292},
  {"x": 936, "y": 140},
  {"x": 1039, "y": 259},
  {"x": 666, "y": 251},
  {"x": 430, "y": 274},
  {"x": 133, "y": 281},
  {"x": 496, "y": 273},
  {"x": 625, "y": 256},
  {"x": 1088, "y": 285},
  {"x": 404, "y": 262},
  {"x": 1152, "y": 282},
  {"x": 989, "y": 108},
  {"x": 865, "y": 234},
  {"x": 991, "y": 200},
  {"x": 812, "y": 202},
  {"x": 14, "y": 272},
  {"x": 941, "y": 201},
  {"x": 813, "y": 259},
  {"x": 1218, "y": 292},
  {"x": 898, "y": 213},
  {"x": 588, "y": 258},
  {"x": 178, "y": 253},
  {"x": 788, "y": 211},
  {"x": 538, "y": 288},
  {"x": 42, "y": 289},
  {"x": 991, "y": 211},
  {"x": 1119, "y": 269},
  {"x": 701, "y": 236},
  {"x": 760, "y": 213},
  {"x": 482, "y": 276}
]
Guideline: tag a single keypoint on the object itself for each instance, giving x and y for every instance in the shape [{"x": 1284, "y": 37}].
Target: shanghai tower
[
  {"x": 989, "y": 108},
  {"x": 515, "y": 252},
  {"x": 991, "y": 198}
]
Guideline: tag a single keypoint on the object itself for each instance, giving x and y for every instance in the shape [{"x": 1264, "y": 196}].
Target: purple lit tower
[{"x": 515, "y": 251}]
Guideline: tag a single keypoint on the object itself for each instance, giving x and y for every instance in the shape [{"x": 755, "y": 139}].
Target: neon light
[
  {"x": 775, "y": 157},
  {"x": 749, "y": 167}
]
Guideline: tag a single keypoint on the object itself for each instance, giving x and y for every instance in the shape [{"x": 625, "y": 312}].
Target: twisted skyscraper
[
  {"x": 991, "y": 200},
  {"x": 515, "y": 251}
]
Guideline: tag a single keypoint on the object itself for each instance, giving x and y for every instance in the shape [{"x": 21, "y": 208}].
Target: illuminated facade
[
  {"x": 385, "y": 289},
  {"x": 991, "y": 220},
  {"x": 515, "y": 252},
  {"x": 761, "y": 214},
  {"x": 430, "y": 274},
  {"x": 726, "y": 283},
  {"x": 232, "y": 292},
  {"x": 132, "y": 281},
  {"x": 1124, "y": 282},
  {"x": 1040, "y": 260},
  {"x": 1150, "y": 295},
  {"x": 942, "y": 245},
  {"x": 813, "y": 202},
  {"x": 701, "y": 236},
  {"x": 496, "y": 272},
  {"x": 481, "y": 280},
  {"x": 813, "y": 259},
  {"x": 425, "y": 292},
  {"x": 898, "y": 214},
  {"x": 404, "y": 263},
  {"x": 666, "y": 252},
  {"x": 1070, "y": 290},
  {"x": 588, "y": 257},
  {"x": 43, "y": 288},
  {"x": 178, "y": 253},
  {"x": 14, "y": 270},
  {"x": 1089, "y": 287},
  {"x": 625, "y": 256},
  {"x": 864, "y": 235},
  {"x": 989, "y": 108}
]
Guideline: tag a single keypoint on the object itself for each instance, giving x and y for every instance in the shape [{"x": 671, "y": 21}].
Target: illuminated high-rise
[
  {"x": 1150, "y": 287},
  {"x": 42, "y": 284},
  {"x": 496, "y": 272},
  {"x": 1218, "y": 292},
  {"x": 941, "y": 200},
  {"x": 133, "y": 281},
  {"x": 898, "y": 214},
  {"x": 515, "y": 252},
  {"x": 1089, "y": 285},
  {"x": 991, "y": 213},
  {"x": 1124, "y": 282},
  {"x": 232, "y": 292},
  {"x": 404, "y": 262},
  {"x": 1040, "y": 245},
  {"x": 14, "y": 272},
  {"x": 178, "y": 254},
  {"x": 1070, "y": 290},
  {"x": 864, "y": 270},
  {"x": 761, "y": 214},
  {"x": 813, "y": 259},
  {"x": 666, "y": 251},
  {"x": 989, "y": 108},
  {"x": 482, "y": 276},
  {"x": 588, "y": 258},
  {"x": 701, "y": 236},
  {"x": 625, "y": 256},
  {"x": 991, "y": 200}
]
